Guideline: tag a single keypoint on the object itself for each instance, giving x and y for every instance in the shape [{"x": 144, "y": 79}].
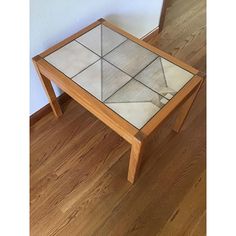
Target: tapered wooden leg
[
  {"x": 49, "y": 92},
  {"x": 184, "y": 110},
  {"x": 135, "y": 157}
]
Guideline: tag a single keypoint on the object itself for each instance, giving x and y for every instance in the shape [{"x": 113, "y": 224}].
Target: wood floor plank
[
  {"x": 82, "y": 164},
  {"x": 200, "y": 228},
  {"x": 96, "y": 202},
  {"x": 189, "y": 212}
]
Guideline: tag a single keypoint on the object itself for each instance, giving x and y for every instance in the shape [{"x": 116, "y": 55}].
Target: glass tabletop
[{"x": 128, "y": 78}]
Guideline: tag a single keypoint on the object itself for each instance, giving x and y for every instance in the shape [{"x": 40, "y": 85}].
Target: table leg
[
  {"x": 50, "y": 93},
  {"x": 184, "y": 110},
  {"x": 135, "y": 157}
]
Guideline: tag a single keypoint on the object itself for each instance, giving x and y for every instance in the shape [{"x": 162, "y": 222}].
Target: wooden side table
[{"x": 128, "y": 84}]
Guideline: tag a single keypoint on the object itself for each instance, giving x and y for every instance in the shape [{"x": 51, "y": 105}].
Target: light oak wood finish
[
  {"x": 170, "y": 40},
  {"x": 137, "y": 150},
  {"x": 64, "y": 97},
  {"x": 78, "y": 184},
  {"x": 101, "y": 111},
  {"x": 48, "y": 89}
]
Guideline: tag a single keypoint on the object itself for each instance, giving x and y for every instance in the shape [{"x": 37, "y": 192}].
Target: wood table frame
[{"x": 183, "y": 100}]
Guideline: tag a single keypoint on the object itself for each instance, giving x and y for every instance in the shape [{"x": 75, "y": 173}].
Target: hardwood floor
[
  {"x": 79, "y": 166},
  {"x": 184, "y": 32}
]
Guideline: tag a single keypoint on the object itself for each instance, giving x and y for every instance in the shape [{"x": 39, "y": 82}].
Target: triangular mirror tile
[
  {"x": 110, "y": 39},
  {"x": 153, "y": 76},
  {"x": 90, "y": 79},
  {"x": 176, "y": 77},
  {"x": 134, "y": 91},
  {"x": 92, "y": 40},
  {"x": 112, "y": 79},
  {"x": 136, "y": 113},
  {"x": 136, "y": 103}
]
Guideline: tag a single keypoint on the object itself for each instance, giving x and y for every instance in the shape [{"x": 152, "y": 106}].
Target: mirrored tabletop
[{"x": 128, "y": 78}]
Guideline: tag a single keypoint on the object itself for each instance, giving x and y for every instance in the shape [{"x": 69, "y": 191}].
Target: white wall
[{"x": 53, "y": 20}]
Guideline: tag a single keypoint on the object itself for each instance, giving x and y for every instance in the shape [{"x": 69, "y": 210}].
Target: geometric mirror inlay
[{"x": 128, "y": 78}]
